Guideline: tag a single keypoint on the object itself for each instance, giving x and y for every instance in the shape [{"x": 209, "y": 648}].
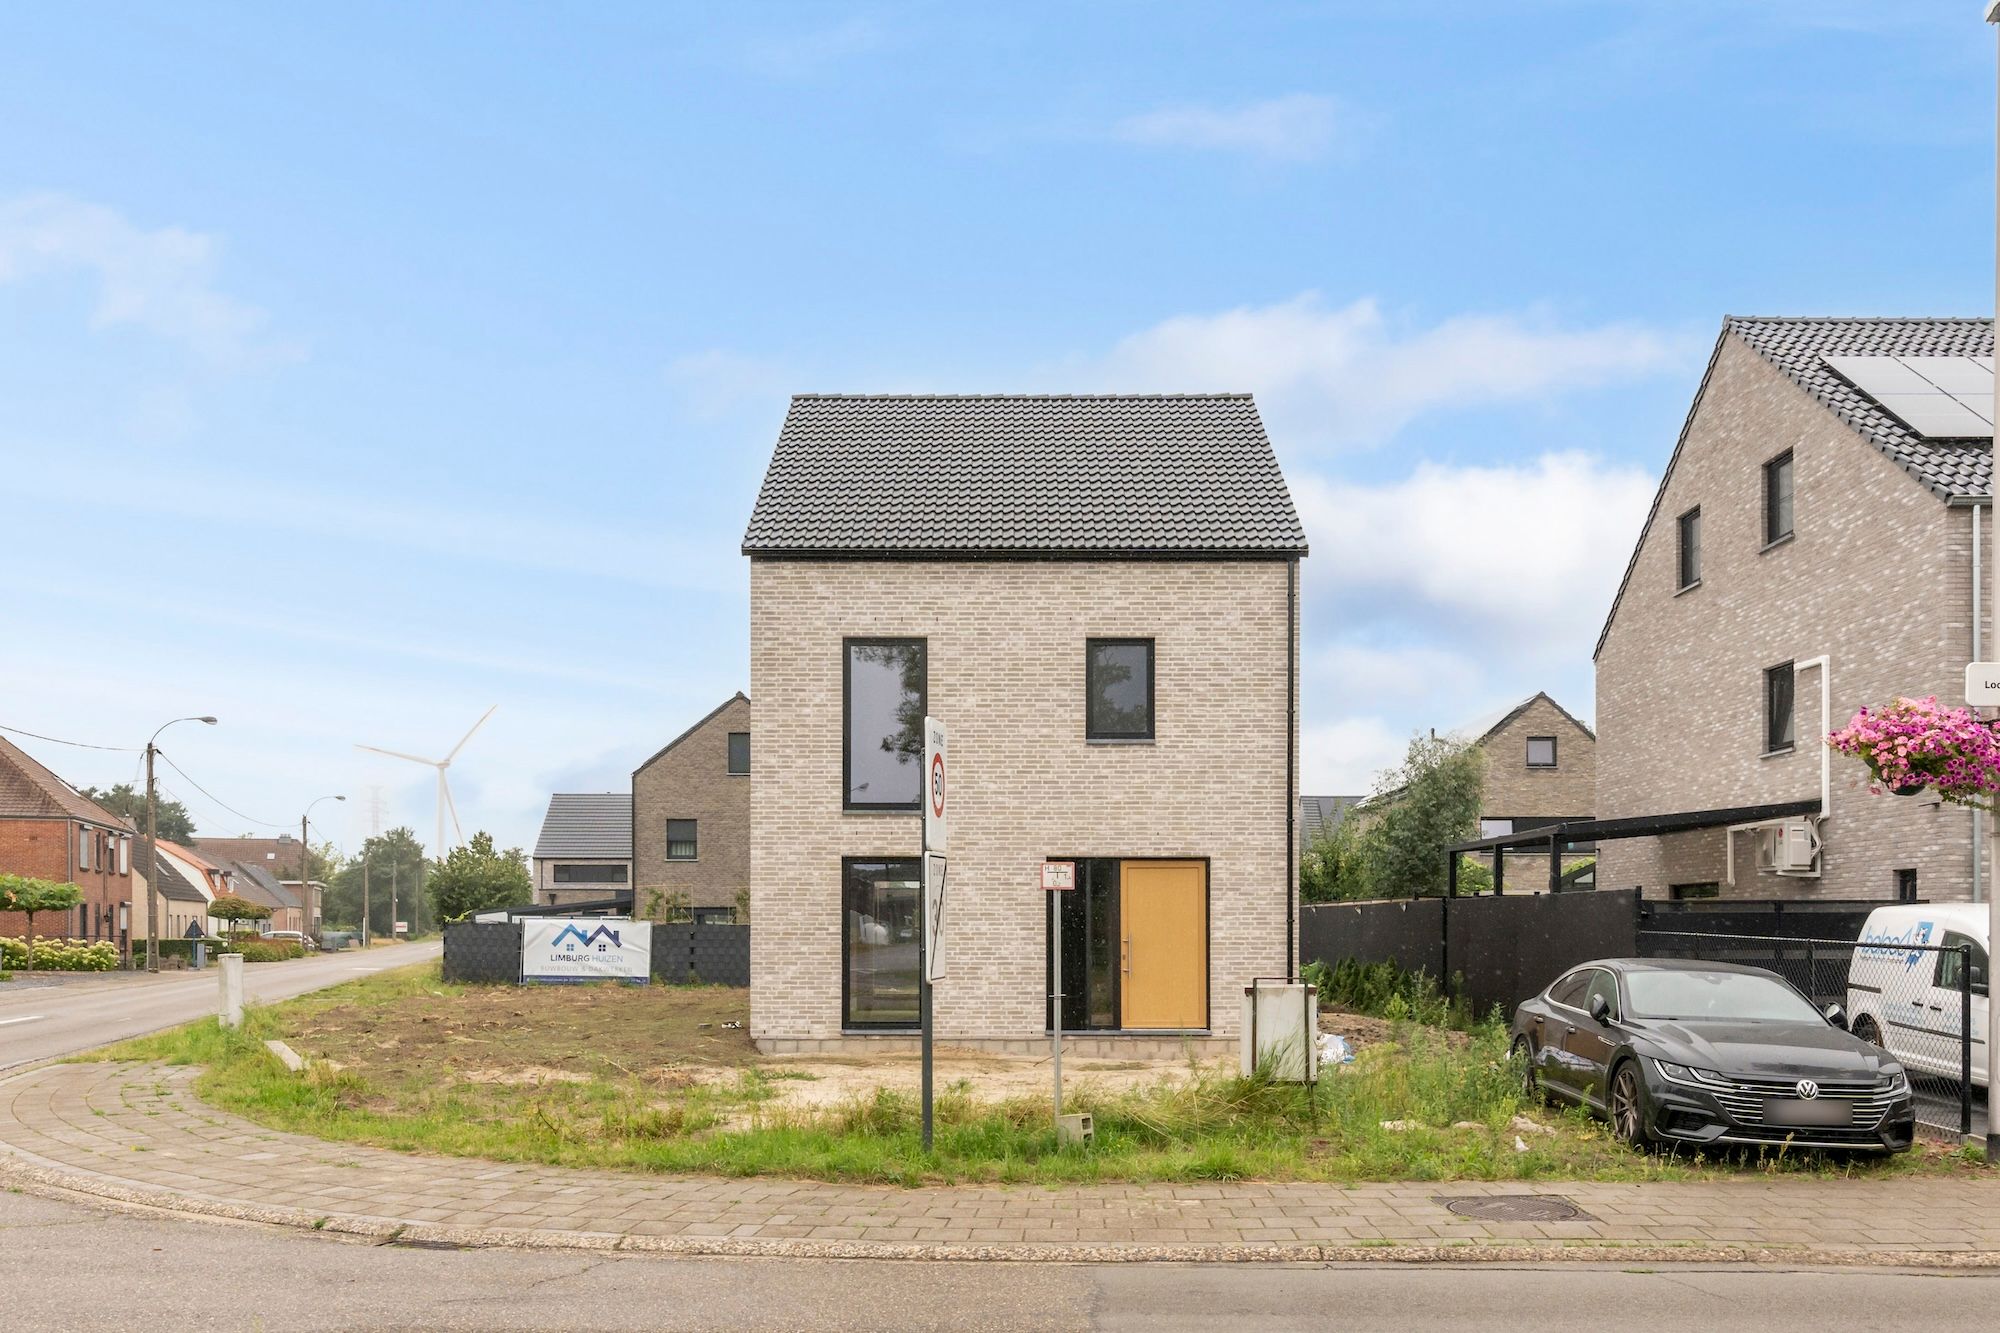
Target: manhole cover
[{"x": 1515, "y": 1208}]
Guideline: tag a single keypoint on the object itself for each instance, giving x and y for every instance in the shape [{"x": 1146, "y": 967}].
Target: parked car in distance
[
  {"x": 294, "y": 937},
  {"x": 1911, "y": 1002},
  {"x": 1695, "y": 1053}
]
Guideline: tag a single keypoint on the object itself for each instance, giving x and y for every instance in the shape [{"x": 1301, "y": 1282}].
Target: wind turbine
[{"x": 444, "y": 802}]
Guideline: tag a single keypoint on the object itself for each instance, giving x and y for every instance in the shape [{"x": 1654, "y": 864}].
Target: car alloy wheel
[
  {"x": 1523, "y": 1055},
  {"x": 1628, "y": 1116}
]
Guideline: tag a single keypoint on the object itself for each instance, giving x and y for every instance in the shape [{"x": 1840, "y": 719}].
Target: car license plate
[{"x": 1796, "y": 1111}]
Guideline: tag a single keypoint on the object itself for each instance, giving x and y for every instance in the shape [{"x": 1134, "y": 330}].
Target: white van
[{"x": 1909, "y": 1001}]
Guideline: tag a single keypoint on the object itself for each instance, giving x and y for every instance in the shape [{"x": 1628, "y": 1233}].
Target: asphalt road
[
  {"x": 40, "y": 1022},
  {"x": 68, "y": 1265}
]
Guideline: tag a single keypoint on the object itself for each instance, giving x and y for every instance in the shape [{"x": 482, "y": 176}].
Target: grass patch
[{"x": 653, "y": 1079}]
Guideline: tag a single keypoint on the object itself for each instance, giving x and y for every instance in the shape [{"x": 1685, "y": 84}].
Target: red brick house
[{"x": 49, "y": 830}]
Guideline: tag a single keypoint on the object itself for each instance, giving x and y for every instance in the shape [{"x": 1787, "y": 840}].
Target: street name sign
[{"x": 1058, "y": 875}]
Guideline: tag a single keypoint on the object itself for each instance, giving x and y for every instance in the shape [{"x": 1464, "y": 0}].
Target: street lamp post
[
  {"x": 153, "y": 846},
  {"x": 305, "y": 869}
]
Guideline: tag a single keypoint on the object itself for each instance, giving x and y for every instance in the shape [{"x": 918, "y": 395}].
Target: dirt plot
[{"x": 515, "y": 1036}]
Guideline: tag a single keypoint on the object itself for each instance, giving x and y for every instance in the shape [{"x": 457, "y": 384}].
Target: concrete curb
[{"x": 17, "y": 1174}]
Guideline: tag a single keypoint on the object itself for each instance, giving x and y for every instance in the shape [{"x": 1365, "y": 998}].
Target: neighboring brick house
[
  {"x": 281, "y": 857},
  {"x": 1806, "y": 538},
  {"x": 1541, "y": 766},
  {"x": 584, "y": 852},
  {"x": 1098, "y": 596},
  {"x": 251, "y": 882},
  {"x": 49, "y": 830},
  {"x": 691, "y": 816}
]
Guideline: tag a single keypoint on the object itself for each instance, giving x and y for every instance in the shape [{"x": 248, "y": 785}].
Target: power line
[
  {"x": 213, "y": 797},
  {"x": 81, "y": 745}
]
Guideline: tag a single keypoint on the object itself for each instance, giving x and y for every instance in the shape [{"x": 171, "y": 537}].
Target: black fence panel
[
  {"x": 483, "y": 951},
  {"x": 1914, "y": 1000},
  {"x": 1408, "y": 933},
  {"x": 706, "y": 953},
  {"x": 1759, "y": 916}
]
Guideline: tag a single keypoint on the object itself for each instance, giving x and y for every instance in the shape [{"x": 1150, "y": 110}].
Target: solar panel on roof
[{"x": 1942, "y": 397}]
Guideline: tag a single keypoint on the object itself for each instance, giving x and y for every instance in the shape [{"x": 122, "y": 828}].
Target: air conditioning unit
[{"x": 1795, "y": 847}]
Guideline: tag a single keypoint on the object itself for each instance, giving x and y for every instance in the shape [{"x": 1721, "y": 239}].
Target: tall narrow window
[
  {"x": 1541, "y": 752},
  {"x": 886, "y": 698},
  {"x": 878, "y": 942},
  {"x": 1690, "y": 564},
  {"x": 1778, "y": 498},
  {"x": 1118, "y": 703},
  {"x": 739, "y": 752},
  {"x": 83, "y": 840},
  {"x": 1906, "y": 886},
  {"x": 1778, "y": 731},
  {"x": 681, "y": 840}
]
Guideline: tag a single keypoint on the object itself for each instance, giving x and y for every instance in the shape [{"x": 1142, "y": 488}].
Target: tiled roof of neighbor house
[
  {"x": 1039, "y": 475},
  {"x": 591, "y": 824},
  {"x": 1953, "y": 469},
  {"x": 707, "y": 718},
  {"x": 255, "y": 884},
  {"x": 173, "y": 884},
  {"x": 30, "y": 790},
  {"x": 279, "y": 855},
  {"x": 1323, "y": 814},
  {"x": 1474, "y": 732}
]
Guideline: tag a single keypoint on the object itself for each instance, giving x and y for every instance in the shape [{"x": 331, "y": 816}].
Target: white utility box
[{"x": 1281, "y": 1030}]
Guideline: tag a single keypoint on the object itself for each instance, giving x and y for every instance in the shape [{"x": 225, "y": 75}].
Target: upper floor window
[
  {"x": 681, "y": 840},
  {"x": 84, "y": 838},
  {"x": 1778, "y": 733},
  {"x": 583, "y": 874},
  {"x": 1118, "y": 689},
  {"x": 739, "y": 752},
  {"x": 1690, "y": 549},
  {"x": 1778, "y": 498},
  {"x": 886, "y": 688},
  {"x": 1541, "y": 752}
]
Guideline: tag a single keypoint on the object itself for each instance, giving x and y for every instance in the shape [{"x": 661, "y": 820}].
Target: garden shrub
[{"x": 60, "y": 955}]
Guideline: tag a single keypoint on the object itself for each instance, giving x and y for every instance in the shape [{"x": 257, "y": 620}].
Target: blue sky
[{"x": 369, "y": 366}]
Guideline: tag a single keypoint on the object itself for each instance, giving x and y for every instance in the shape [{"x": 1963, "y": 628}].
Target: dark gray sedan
[{"x": 1709, "y": 1053}]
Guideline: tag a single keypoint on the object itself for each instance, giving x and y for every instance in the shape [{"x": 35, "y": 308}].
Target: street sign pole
[
  {"x": 930, "y": 914},
  {"x": 1057, "y": 877}
]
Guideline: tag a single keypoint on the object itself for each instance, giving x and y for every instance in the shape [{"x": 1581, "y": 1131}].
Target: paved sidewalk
[{"x": 135, "y": 1134}]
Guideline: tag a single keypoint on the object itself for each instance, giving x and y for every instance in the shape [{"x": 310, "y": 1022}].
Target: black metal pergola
[{"x": 1560, "y": 837}]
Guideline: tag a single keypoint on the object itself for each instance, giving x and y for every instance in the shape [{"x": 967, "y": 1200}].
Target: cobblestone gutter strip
[{"x": 18, "y": 1174}]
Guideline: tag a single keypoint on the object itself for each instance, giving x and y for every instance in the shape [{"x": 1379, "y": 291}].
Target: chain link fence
[{"x": 1917, "y": 1001}]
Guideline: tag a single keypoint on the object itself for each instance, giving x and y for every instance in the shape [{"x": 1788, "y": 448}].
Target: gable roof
[
  {"x": 29, "y": 790},
  {"x": 1477, "y": 732},
  {"x": 1039, "y": 475},
  {"x": 594, "y": 824},
  {"x": 173, "y": 883},
  {"x": 252, "y": 882},
  {"x": 706, "y": 718},
  {"x": 1952, "y": 470},
  {"x": 275, "y": 855},
  {"x": 1323, "y": 814}
]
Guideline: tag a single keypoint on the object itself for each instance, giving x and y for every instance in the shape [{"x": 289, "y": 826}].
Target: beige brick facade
[
  {"x": 690, "y": 779},
  {"x": 1005, "y": 665},
  {"x": 1514, "y": 790},
  {"x": 1877, "y": 577}
]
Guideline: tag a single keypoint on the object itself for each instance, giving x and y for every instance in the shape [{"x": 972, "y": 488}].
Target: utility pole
[
  {"x": 366, "y": 862},
  {"x": 153, "y": 845},
  {"x": 395, "y": 868}
]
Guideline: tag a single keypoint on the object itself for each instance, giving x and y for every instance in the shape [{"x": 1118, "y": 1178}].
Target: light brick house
[
  {"x": 1098, "y": 595},
  {"x": 584, "y": 850},
  {"x": 691, "y": 815},
  {"x": 1805, "y": 538},
  {"x": 49, "y": 830},
  {"x": 1541, "y": 766}
]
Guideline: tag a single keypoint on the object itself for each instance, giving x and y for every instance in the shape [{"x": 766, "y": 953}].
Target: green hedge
[
  {"x": 55, "y": 955},
  {"x": 267, "y": 951}
]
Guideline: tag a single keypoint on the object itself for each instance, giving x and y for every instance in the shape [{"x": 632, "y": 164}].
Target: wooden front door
[{"x": 1163, "y": 907}]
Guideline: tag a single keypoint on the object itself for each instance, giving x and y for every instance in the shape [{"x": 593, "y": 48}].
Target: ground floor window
[
  {"x": 1685, "y": 892},
  {"x": 880, "y": 900},
  {"x": 714, "y": 916}
]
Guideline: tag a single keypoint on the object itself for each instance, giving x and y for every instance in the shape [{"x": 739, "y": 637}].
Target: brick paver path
[{"x": 136, "y": 1134}]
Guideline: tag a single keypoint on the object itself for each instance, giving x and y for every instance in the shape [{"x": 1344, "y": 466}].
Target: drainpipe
[{"x": 1291, "y": 767}]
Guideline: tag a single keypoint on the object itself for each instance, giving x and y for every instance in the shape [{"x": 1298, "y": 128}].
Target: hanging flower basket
[{"x": 1915, "y": 744}]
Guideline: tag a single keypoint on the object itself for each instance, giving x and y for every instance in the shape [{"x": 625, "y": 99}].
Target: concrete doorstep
[{"x": 133, "y": 1136}]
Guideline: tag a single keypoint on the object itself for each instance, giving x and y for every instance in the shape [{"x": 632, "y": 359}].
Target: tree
[
  {"x": 1428, "y": 804},
  {"x": 176, "y": 825},
  {"x": 28, "y": 896},
  {"x": 228, "y": 907},
  {"x": 395, "y": 859},
  {"x": 1332, "y": 868},
  {"x": 476, "y": 877}
]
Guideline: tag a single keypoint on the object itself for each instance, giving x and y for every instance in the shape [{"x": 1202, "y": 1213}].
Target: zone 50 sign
[{"x": 937, "y": 819}]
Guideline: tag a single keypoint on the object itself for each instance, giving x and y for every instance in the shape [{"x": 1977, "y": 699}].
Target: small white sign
[
  {"x": 1982, "y": 683},
  {"x": 937, "y": 821},
  {"x": 934, "y": 873},
  {"x": 1058, "y": 875},
  {"x": 586, "y": 948}
]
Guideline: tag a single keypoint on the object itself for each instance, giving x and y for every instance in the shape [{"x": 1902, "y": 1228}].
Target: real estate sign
[{"x": 586, "y": 948}]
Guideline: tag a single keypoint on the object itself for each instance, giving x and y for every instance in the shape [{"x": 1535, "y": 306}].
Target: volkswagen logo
[{"x": 1808, "y": 1089}]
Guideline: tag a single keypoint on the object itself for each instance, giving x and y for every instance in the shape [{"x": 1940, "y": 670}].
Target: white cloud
[
  {"x": 162, "y": 281},
  {"x": 1346, "y": 756},
  {"x": 1529, "y": 554},
  {"x": 1397, "y": 674},
  {"x": 1346, "y": 377},
  {"x": 1294, "y": 128}
]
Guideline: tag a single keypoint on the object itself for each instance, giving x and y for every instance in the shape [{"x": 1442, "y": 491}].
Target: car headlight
[
  {"x": 1685, "y": 1074},
  {"x": 1896, "y": 1084}
]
